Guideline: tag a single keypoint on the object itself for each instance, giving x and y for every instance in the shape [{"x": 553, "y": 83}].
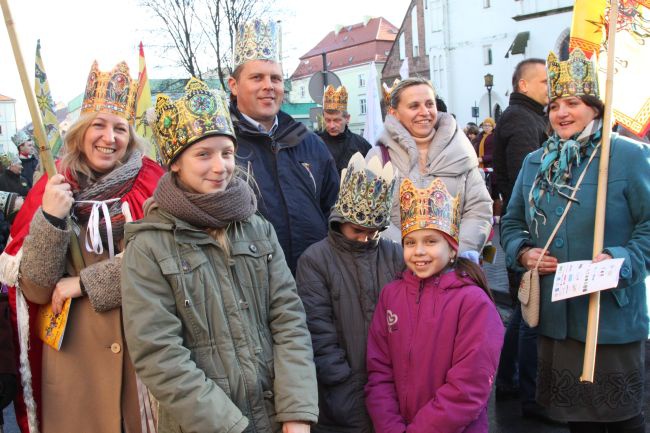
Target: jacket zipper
[
  {"x": 275, "y": 150},
  {"x": 417, "y": 322}
]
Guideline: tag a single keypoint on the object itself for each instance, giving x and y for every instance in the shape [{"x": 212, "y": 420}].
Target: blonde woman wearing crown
[
  {"x": 424, "y": 144},
  {"x": 614, "y": 403},
  {"x": 214, "y": 324},
  {"x": 88, "y": 385}
]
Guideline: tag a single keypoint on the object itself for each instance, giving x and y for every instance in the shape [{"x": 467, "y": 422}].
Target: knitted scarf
[
  {"x": 110, "y": 186},
  {"x": 214, "y": 210},
  {"x": 559, "y": 157}
]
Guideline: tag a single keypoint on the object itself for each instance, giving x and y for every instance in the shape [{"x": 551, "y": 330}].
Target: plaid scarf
[
  {"x": 114, "y": 184},
  {"x": 559, "y": 157}
]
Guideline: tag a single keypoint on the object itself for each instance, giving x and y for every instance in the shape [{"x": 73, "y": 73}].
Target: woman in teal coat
[{"x": 614, "y": 403}]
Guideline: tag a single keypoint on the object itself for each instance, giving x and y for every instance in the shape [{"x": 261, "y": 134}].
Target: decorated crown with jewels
[
  {"x": 388, "y": 91},
  {"x": 256, "y": 40},
  {"x": 20, "y": 138},
  {"x": 111, "y": 92},
  {"x": 429, "y": 208},
  {"x": 335, "y": 99},
  {"x": 576, "y": 76},
  {"x": 366, "y": 192},
  {"x": 201, "y": 112}
]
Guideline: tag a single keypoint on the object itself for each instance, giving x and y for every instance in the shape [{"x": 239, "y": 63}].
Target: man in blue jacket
[{"x": 295, "y": 173}]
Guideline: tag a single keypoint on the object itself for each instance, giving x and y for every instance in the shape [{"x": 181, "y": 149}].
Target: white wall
[
  {"x": 8, "y": 125},
  {"x": 467, "y": 28}
]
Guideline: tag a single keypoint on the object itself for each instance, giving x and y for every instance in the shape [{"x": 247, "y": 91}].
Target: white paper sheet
[{"x": 581, "y": 277}]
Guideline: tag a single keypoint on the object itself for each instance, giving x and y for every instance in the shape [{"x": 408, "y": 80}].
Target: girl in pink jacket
[{"x": 435, "y": 338}]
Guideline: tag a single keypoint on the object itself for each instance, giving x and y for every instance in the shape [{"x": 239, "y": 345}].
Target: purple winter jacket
[{"x": 433, "y": 350}]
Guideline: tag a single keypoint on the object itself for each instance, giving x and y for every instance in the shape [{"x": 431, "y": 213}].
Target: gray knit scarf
[
  {"x": 215, "y": 210},
  {"x": 115, "y": 184}
]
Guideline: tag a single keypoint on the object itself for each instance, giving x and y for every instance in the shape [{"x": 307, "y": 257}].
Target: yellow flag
[
  {"x": 46, "y": 105},
  {"x": 631, "y": 96},
  {"x": 143, "y": 102}
]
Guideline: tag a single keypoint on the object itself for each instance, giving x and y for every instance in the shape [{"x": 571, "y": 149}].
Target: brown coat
[{"x": 89, "y": 385}]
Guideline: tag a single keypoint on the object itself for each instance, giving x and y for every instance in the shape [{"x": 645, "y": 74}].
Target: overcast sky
[{"x": 73, "y": 33}]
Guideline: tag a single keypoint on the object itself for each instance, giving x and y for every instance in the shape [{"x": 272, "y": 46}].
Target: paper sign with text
[{"x": 581, "y": 277}]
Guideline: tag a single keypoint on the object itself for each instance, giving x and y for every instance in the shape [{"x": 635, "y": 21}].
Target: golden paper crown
[
  {"x": 429, "y": 208},
  {"x": 366, "y": 192},
  {"x": 256, "y": 40},
  {"x": 111, "y": 92},
  {"x": 201, "y": 112},
  {"x": 335, "y": 99},
  {"x": 388, "y": 91},
  {"x": 575, "y": 77}
]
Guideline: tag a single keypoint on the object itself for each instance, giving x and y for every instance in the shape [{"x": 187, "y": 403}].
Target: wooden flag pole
[
  {"x": 591, "y": 340},
  {"x": 44, "y": 152}
]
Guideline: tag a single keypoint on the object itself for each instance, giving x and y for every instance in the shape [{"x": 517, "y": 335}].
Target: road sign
[{"x": 317, "y": 85}]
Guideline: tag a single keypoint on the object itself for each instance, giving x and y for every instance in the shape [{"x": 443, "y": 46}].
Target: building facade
[
  {"x": 468, "y": 39},
  {"x": 349, "y": 52},
  {"x": 7, "y": 124}
]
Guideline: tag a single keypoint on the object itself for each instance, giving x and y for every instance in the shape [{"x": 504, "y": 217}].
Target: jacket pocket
[
  {"x": 185, "y": 276},
  {"x": 620, "y": 295},
  {"x": 309, "y": 169}
]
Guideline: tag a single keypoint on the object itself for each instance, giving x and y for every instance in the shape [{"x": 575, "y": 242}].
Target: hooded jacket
[
  {"x": 343, "y": 146},
  {"x": 296, "y": 178},
  {"x": 339, "y": 281},
  {"x": 451, "y": 158},
  {"x": 221, "y": 342},
  {"x": 433, "y": 350}
]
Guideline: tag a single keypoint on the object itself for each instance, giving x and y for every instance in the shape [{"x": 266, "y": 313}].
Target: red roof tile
[{"x": 6, "y": 98}]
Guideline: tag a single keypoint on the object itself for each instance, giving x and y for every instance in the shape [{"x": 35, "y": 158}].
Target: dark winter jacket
[
  {"x": 29, "y": 168},
  {"x": 339, "y": 281},
  {"x": 12, "y": 182},
  {"x": 7, "y": 361},
  {"x": 296, "y": 178},
  {"x": 521, "y": 129},
  {"x": 344, "y": 145}
]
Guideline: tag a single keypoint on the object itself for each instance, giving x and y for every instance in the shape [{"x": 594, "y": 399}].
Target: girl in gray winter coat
[
  {"x": 339, "y": 280},
  {"x": 213, "y": 322}
]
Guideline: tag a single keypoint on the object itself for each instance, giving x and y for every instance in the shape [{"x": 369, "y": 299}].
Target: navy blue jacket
[{"x": 296, "y": 177}]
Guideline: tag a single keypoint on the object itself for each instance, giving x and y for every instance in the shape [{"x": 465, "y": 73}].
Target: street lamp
[{"x": 489, "y": 82}]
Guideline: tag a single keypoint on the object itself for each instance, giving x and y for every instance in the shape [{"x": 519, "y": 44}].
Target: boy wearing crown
[
  {"x": 341, "y": 142},
  {"x": 339, "y": 279},
  {"x": 294, "y": 171},
  {"x": 26, "y": 153}
]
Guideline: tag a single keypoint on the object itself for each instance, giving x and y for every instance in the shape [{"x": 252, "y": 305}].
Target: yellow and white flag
[
  {"x": 46, "y": 105},
  {"x": 143, "y": 102},
  {"x": 631, "y": 100}
]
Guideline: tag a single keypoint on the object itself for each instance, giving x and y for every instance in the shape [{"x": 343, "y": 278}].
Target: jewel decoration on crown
[
  {"x": 388, "y": 91},
  {"x": 366, "y": 192},
  {"x": 335, "y": 99},
  {"x": 111, "y": 92},
  {"x": 429, "y": 208},
  {"x": 576, "y": 76},
  {"x": 256, "y": 40},
  {"x": 200, "y": 112},
  {"x": 20, "y": 138}
]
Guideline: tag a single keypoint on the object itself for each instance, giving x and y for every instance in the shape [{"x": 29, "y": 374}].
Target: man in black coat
[
  {"x": 341, "y": 142},
  {"x": 522, "y": 127}
]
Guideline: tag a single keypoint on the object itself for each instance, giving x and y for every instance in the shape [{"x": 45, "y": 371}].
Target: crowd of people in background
[{"x": 261, "y": 277}]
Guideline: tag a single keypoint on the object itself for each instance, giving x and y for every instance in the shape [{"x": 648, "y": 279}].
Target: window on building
[
  {"x": 487, "y": 55},
  {"x": 415, "y": 31},
  {"x": 402, "y": 47},
  {"x": 362, "y": 104},
  {"x": 486, "y": 3},
  {"x": 302, "y": 91},
  {"x": 0, "y": 129},
  {"x": 362, "y": 80}
]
